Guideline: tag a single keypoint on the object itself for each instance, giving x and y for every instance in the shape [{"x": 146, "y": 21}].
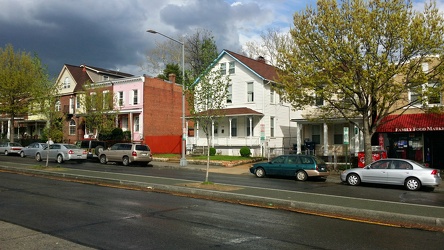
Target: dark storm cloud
[{"x": 111, "y": 33}]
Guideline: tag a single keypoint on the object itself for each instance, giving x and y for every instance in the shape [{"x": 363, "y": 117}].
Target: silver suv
[{"x": 127, "y": 153}]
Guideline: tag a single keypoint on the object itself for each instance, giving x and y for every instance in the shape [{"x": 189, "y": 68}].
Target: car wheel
[
  {"x": 353, "y": 179},
  {"x": 125, "y": 161},
  {"x": 301, "y": 175},
  {"x": 412, "y": 184},
  {"x": 259, "y": 172},
  {"x": 38, "y": 157},
  {"x": 22, "y": 154},
  {"x": 103, "y": 159},
  {"x": 6, "y": 152},
  {"x": 59, "y": 159},
  {"x": 98, "y": 150}
]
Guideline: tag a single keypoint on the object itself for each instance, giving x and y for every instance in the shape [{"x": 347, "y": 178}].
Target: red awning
[{"x": 412, "y": 123}]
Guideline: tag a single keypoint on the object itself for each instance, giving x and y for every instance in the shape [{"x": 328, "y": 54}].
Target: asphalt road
[
  {"x": 331, "y": 187},
  {"x": 81, "y": 216}
]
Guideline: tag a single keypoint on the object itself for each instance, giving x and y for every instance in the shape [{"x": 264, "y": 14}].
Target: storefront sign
[{"x": 423, "y": 129}]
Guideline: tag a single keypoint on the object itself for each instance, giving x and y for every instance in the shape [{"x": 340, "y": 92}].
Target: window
[
  {"x": 250, "y": 92},
  {"x": 135, "y": 97},
  {"x": 72, "y": 127},
  {"x": 434, "y": 93},
  {"x": 316, "y": 134},
  {"x": 306, "y": 160},
  {"x": 66, "y": 83},
  {"x": 338, "y": 137},
  {"x": 319, "y": 101},
  {"x": 230, "y": 94},
  {"x": 231, "y": 69},
  {"x": 293, "y": 159},
  {"x": 234, "y": 127},
  {"x": 415, "y": 93},
  {"x": 78, "y": 102},
  {"x": 106, "y": 101},
  {"x": 271, "y": 95},
  {"x": 136, "y": 123},
  {"x": 93, "y": 103},
  {"x": 120, "y": 98},
  {"x": 105, "y": 78},
  {"x": 223, "y": 68},
  {"x": 271, "y": 126},
  {"x": 57, "y": 105}
]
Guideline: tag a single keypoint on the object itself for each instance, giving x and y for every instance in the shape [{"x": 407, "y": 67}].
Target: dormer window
[
  {"x": 66, "y": 83},
  {"x": 223, "y": 68},
  {"x": 231, "y": 69}
]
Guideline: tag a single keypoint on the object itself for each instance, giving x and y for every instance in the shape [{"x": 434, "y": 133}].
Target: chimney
[
  {"x": 260, "y": 59},
  {"x": 172, "y": 77}
]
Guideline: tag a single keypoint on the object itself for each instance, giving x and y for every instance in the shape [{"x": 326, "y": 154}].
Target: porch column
[
  {"x": 229, "y": 130},
  {"x": 298, "y": 137},
  {"x": 251, "y": 130},
  {"x": 325, "y": 153},
  {"x": 8, "y": 135},
  {"x": 212, "y": 134},
  {"x": 130, "y": 125}
]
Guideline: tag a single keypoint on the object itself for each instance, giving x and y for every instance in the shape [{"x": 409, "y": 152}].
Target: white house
[{"x": 254, "y": 114}]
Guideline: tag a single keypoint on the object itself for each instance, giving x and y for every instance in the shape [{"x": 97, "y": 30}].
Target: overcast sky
[{"x": 112, "y": 33}]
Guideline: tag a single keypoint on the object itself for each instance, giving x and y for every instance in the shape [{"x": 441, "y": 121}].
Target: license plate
[{"x": 144, "y": 154}]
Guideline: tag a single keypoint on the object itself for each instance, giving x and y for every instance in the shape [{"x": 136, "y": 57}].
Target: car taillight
[
  {"x": 70, "y": 152},
  {"x": 134, "y": 153},
  {"x": 15, "y": 148},
  {"x": 434, "y": 172}
]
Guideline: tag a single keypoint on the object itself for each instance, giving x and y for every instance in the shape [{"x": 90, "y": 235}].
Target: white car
[
  {"x": 61, "y": 152},
  {"x": 10, "y": 148},
  {"x": 410, "y": 174},
  {"x": 32, "y": 149}
]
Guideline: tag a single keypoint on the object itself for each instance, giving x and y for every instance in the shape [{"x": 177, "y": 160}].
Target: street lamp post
[{"x": 183, "y": 159}]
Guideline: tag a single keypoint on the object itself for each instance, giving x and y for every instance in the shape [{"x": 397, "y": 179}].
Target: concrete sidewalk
[{"x": 390, "y": 213}]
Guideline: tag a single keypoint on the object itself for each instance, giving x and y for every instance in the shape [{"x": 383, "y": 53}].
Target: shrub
[
  {"x": 212, "y": 151},
  {"x": 245, "y": 152}
]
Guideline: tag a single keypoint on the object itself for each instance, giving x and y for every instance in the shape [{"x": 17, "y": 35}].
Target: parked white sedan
[
  {"x": 61, "y": 152},
  {"x": 411, "y": 174},
  {"x": 32, "y": 149}
]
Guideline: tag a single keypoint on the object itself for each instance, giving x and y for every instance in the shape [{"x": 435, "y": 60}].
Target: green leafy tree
[
  {"x": 361, "y": 57},
  {"x": 22, "y": 77},
  {"x": 171, "y": 69},
  {"x": 209, "y": 98},
  {"x": 98, "y": 104},
  {"x": 47, "y": 104}
]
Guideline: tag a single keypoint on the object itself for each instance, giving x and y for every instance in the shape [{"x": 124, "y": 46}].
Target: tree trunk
[
  {"x": 208, "y": 159},
  {"x": 11, "y": 134},
  {"x": 367, "y": 139}
]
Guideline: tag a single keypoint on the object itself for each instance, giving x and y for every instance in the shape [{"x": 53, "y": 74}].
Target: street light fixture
[{"x": 183, "y": 159}]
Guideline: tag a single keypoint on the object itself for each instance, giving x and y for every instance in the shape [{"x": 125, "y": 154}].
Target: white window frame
[
  {"x": 66, "y": 83},
  {"x": 120, "y": 99},
  {"x": 72, "y": 127},
  {"x": 134, "y": 97},
  {"x": 223, "y": 68},
  {"x": 136, "y": 123},
  {"x": 230, "y": 93},
  {"x": 231, "y": 67},
  {"x": 272, "y": 123},
  {"x": 250, "y": 91}
]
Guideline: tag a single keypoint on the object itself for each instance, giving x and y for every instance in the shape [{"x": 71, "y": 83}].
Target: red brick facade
[{"x": 162, "y": 108}]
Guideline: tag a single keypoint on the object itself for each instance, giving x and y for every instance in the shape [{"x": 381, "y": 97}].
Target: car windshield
[
  {"x": 70, "y": 146},
  {"x": 15, "y": 144}
]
